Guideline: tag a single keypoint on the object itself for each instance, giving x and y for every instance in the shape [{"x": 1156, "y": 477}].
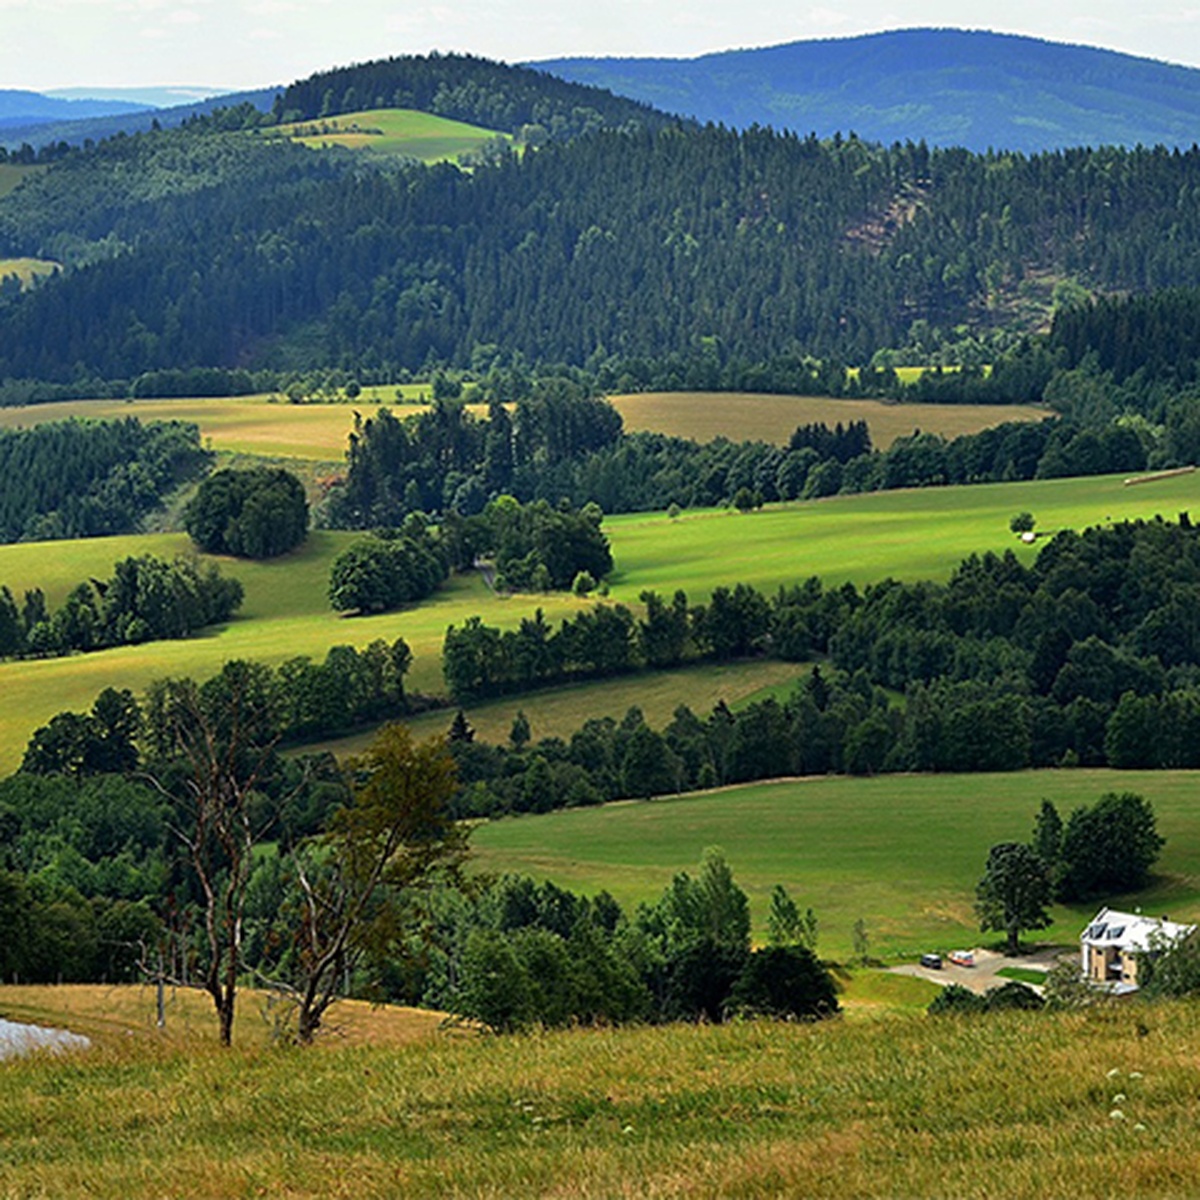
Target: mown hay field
[
  {"x": 1016, "y": 1105},
  {"x": 901, "y": 852},
  {"x": 269, "y": 425},
  {"x": 559, "y": 711},
  {"x": 751, "y": 416},
  {"x": 257, "y": 425}
]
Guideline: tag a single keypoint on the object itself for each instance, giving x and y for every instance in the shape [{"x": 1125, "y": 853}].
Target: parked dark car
[{"x": 932, "y": 960}]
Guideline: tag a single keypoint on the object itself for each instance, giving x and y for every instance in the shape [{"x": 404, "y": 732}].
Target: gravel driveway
[{"x": 983, "y": 974}]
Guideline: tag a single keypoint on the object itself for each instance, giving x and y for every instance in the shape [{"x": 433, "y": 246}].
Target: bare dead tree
[{"x": 219, "y": 740}]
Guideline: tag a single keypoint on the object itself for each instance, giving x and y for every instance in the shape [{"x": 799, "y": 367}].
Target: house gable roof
[{"x": 1111, "y": 928}]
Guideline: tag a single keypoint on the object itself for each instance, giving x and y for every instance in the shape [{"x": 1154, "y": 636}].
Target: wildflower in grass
[
  {"x": 1114, "y": 1072},
  {"x": 1116, "y": 1115},
  {"x": 1135, "y": 1075},
  {"x": 1119, "y": 1098}
]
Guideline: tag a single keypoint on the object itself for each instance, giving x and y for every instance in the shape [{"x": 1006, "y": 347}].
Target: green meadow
[
  {"x": 559, "y": 711},
  {"x": 286, "y": 612},
  {"x": 902, "y": 852},
  {"x": 745, "y": 416},
  {"x": 401, "y": 132},
  {"x": 921, "y": 533},
  {"x": 910, "y": 535}
]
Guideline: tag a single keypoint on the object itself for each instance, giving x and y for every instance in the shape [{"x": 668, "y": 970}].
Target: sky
[{"x": 241, "y": 44}]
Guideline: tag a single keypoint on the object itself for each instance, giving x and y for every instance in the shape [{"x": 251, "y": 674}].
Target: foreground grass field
[
  {"x": 1017, "y": 1105},
  {"x": 747, "y": 416},
  {"x": 909, "y": 535},
  {"x": 902, "y": 852}
]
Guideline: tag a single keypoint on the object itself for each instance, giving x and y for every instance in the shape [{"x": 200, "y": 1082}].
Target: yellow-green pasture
[
  {"x": 269, "y": 425},
  {"x": 902, "y": 852},
  {"x": 286, "y": 613},
  {"x": 259, "y": 425},
  {"x": 919, "y": 534},
  {"x": 27, "y": 269},
  {"x": 559, "y": 711},
  {"x": 751, "y": 416},
  {"x": 1014, "y": 1106},
  {"x": 401, "y": 132}
]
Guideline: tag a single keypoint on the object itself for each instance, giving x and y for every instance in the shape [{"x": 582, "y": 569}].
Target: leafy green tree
[
  {"x": 1171, "y": 970},
  {"x": 260, "y": 513},
  {"x": 1048, "y": 835},
  {"x": 1014, "y": 893},
  {"x": 356, "y": 889},
  {"x": 1110, "y": 846}
]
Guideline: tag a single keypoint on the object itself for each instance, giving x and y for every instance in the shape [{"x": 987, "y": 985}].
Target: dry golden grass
[
  {"x": 1015, "y": 1105},
  {"x": 744, "y": 416},
  {"x": 255, "y": 425}
]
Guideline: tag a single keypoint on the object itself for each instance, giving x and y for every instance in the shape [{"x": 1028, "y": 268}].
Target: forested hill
[
  {"x": 465, "y": 88},
  {"x": 949, "y": 87},
  {"x": 459, "y": 86},
  {"x": 194, "y": 248}
]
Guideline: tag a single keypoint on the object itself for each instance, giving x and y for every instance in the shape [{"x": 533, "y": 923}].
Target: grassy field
[
  {"x": 270, "y": 426},
  {"x": 910, "y": 535},
  {"x": 742, "y": 416},
  {"x": 918, "y": 534},
  {"x": 400, "y": 132},
  {"x": 559, "y": 711},
  {"x": 11, "y": 174},
  {"x": 1015, "y": 1105},
  {"x": 285, "y": 613},
  {"x": 903, "y": 852}
]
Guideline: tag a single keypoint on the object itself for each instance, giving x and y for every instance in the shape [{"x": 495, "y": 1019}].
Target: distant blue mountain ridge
[
  {"x": 29, "y": 108},
  {"x": 950, "y": 87},
  {"x": 74, "y": 126}
]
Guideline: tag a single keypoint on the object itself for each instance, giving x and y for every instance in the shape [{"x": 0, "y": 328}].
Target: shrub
[
  {"x": 954, "y": 998},
  {"x": 785, "y": 981}
]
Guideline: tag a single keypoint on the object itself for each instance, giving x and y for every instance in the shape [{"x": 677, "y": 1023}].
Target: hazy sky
[{"x": 252, "y": 43}]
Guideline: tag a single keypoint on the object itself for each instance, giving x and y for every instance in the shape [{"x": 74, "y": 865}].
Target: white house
[{"x": 1111, "y": 943}]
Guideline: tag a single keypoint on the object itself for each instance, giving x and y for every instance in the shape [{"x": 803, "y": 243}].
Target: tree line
[
  {"x": 67, "y": 479},
  {"x": 1077, "y": 660},
  {"x": 147, "y": 599}
]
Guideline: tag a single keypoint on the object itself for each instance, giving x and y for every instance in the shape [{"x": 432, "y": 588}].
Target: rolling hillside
[{"x": 947, "y": 87}]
